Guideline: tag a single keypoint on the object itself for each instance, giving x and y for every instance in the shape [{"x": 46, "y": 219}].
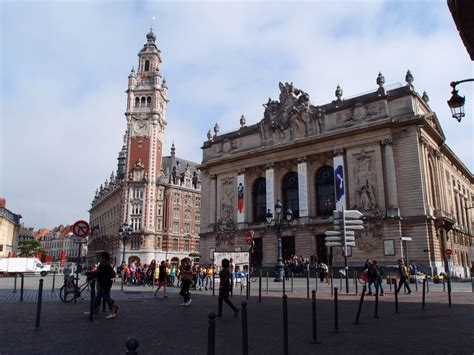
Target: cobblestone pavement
[{"x": 163, "y": 327}]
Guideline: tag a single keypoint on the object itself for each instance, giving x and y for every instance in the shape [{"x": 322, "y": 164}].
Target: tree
[{"x": 29, "y": 247}]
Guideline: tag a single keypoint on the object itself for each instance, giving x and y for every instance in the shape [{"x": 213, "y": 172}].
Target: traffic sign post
[
  {"x": 345, "y": 223},
  {"x": 81, "y": 230}
]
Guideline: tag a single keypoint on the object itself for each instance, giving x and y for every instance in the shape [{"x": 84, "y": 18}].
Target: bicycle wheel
[
  {"x": 62, "y": 293},
  {"x": 69, "y": 296}
]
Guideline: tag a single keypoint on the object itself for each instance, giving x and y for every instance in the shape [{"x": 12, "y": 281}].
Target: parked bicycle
[{"x": 69, "y": 292}]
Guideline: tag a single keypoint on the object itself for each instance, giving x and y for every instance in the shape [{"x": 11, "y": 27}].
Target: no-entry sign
[
  {"x": 448, "y": 252},
  {"x": 81, "y": 229}
]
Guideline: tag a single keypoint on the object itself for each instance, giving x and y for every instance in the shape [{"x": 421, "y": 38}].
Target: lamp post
[
  {"x": 278, "y": 226},
  {"x": 456, "y": 102},
  {"x": 125, "y": 233}
]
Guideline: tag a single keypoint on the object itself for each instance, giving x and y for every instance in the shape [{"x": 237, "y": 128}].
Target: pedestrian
[
  {"x": 151, "y": 273},
  {"x": 162, "y": 279},
  {"x": 413, "y": 269},
  {"x": 224, "y": 288},
  {"x": 403, "y": 273},
  {"x": 104, "y": 275},
  {"x": 208, "y": 277},
  {"x": 186, "y": 280},
  {"x": 376, "y": 274}
]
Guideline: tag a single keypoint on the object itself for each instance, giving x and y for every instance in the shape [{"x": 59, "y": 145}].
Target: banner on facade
[
  {"x": 269, "y": 175},
  {"x": 339, "y": 182},
  {"x": 303, "y": 189},
  {"x": 240, "y": 198}
]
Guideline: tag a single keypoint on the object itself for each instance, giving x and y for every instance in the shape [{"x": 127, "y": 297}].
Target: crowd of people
[{"x": 296, "y": 265}]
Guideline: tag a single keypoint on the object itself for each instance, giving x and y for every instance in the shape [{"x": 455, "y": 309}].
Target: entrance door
[
  {"x": 287, "y": 247},
  {"x": 257, "y": 255},
  {"x": 321, "y": 250}
]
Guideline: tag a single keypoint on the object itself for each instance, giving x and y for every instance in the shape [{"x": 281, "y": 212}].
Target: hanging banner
[
  {"x": 269, "y": 175},
  {"x": 303, "y": 189},
  {"x": 339, "y": 183},
  {"x": 240, "y": 198}
]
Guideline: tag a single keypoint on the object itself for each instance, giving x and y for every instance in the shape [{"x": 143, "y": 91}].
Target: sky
[{"x": 64, "y": 68}]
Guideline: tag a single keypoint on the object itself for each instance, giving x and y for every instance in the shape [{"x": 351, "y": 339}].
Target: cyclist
[{"x": 104, "y": 275}]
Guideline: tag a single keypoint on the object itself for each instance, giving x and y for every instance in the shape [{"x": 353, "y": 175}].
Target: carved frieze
[{"x": 366, "y": 184}]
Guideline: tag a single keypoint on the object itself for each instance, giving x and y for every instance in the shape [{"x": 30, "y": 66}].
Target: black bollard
[
  {"x": 291, "y": 282},
  {"x": 423, "y": 297},
  {"x": 214, "y": 281},
  {"x": 241, "y": 286},
  {"x": 316, "y": 276},
  {"x": 427, "y": 285},
  {"x": 356, "y": 283},
  {"x": 449, "y": 291},
  {"x": 21, "y": 287},
  {"x": 396, "y": 299},
  {"x": 14, "y": 284},
  {"x": 285, "y": 324},
  {"x": 260, "y": 287},
  {"x": 284, "y": 286},
  {"x": 54, "y": 280},
  {"x": 364, "y": 289},
  {"x": 132, "y": 345},
  {"x": 245, "y": 335},
  {"x": 247, "y": 287},
  {"x": 307, "y": 285},
  {"x": 211, "y": 334},
  {"x": 267, "y": 281},
  {"x": 332, "y": 284},
  {"x": 38, "y": 305},
  {"x": 336, "y": 312},
  {"x": 376, "y": 310},
  {"x": 315, "y": 330},
  {"x": 92, "y": 305},
  {"x": 444, "y": 286},
  {"x": 416, "y": 283}
]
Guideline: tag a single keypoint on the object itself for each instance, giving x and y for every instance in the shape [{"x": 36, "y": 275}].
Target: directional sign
[
  {"x": 81, "y": 228},
  {"x": 333, "y": 244},
  {"x": 333, "y": 233},
  {"x": 354, "y": 222},
  {"x": 354, "y": 227},
  {"x": 351, "y": 244},
  {"x": 332, "y": 239},
  {"x": 350, "y": 238},
  {"x": 352, "y": 214}
]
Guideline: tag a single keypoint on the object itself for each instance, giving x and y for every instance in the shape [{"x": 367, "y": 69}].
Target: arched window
[
  {"x": 148, "y": 101},
  {"x": 147, "y": 65},
  {"x": 137, "y": 101},
  {"x": 325, "y": 201},
  {"x": 433, "y": 186},
  {"x": 259, "y": 199},
  {"x": 143, "y": 102},
  {"x": 290, "y": 193}
]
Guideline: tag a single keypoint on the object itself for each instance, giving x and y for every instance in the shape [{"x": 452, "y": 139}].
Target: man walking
[
  {"x": 224, "y": 288},
  {"x": 403, "y": 273}
]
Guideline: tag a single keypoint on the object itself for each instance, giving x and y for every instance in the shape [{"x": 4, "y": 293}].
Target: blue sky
[{"x": 64, "y": 68}]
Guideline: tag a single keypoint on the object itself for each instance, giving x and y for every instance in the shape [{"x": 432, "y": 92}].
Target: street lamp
[
  {"x": 125, "y": 233},
  {"x": 456, "y": 102},
  {"x": 278, "y": 226}
]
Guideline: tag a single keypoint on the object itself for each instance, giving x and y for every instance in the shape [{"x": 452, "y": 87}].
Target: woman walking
[
  {"x": 186, "y": 279},
  {"x": 224, "y": 288},
  {"x": 162, "y": 279}
]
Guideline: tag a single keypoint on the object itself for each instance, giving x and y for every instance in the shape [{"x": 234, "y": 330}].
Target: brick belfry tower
[{"x": 158, "y": 196}]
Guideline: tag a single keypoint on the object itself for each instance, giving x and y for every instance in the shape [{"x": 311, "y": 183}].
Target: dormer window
[{"x": 147, "y": 65}]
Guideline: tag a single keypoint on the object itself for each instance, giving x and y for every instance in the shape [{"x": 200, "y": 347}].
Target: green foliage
[{"x": 29, "y": 247}]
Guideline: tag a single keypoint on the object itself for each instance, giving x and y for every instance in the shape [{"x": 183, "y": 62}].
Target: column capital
[
  {"x": 241, "y": 172},
  {"x": 213, "y": 176},
  {"x": 269, "y": 166},
  {"x": 302, "y": 159},
  {"x": 387, "y": 141},
  {"x": 336, "y": 152}
]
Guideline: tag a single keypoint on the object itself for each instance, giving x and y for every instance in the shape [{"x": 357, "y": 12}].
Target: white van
[{"x": 23, "y": 265}]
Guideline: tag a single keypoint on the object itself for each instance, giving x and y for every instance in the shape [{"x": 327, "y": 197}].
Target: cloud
[{"x": 65, "y": 67}]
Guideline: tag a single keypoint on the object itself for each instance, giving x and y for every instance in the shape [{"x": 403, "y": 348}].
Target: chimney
[{"x": 3, "y": 203}]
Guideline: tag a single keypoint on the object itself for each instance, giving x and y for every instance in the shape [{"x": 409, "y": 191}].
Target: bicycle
[{"x": 68, "y": 294}]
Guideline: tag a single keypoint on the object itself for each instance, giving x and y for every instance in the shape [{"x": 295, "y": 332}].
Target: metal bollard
[
  {"x": 284, "y": 286},
  {"x": 14, "y": 284},
  {"x": 364, "y": 289},
  {"x": 247, "y": 287},
  {"x": 267, "y": 281},
  {"x": 54, "y": 280},
  {"x": 285, "y": 324},
  {"x": 416, "y": 283},
  {"x": 291, "y": 282},
  {"x": 316, "y": 281},
  {"x": 38, "y": 305},
  {"x": 245, "y": 335},
  {"x": 307, "y": 285},
  {"x": 424, "y": 290},
  {"x": 332, "y": 284},
  {"x": 211, "y": 334},
  {"x": 449, "y": 291},
  {"x": 396, "y": 300},
  {"x": 260, "y": 287},
  {"x": 21, "y": 287},
  {"x": 336, "y": 312},
  {"x": 315, "y": 330},
  {"x": 92, "y": 305},
  {"x": 214, "y": 282},
  {"x": 132, "y": 345},
  {"x": 444, "y": 286},
  {"x": 356, "y": 283},
  {"x": 241, "y": 286},
  {"x": 427, "y": 285},
  {"x": 376, "y": 310}
]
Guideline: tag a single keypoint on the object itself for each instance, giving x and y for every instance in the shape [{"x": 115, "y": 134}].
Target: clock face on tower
[{"x": 140, "y": 128}]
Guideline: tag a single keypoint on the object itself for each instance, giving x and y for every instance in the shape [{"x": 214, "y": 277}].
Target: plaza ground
[{"x": 163, "y": 327}]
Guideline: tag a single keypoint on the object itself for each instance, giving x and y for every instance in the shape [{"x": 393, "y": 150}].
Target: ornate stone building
[
  {"x": 9, "y": 230},
  {"x": 158, "y": 196},
  {"x": 398, "y": 171}
]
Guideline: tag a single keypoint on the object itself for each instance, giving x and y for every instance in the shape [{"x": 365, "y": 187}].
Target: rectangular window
[
  {"x": 175, "y": 227},
  {"x": 197, "y": 202},
  {"x": 175, "y": 244},
  {"x": 160, "y": 210},
  {"x": 138, "y": 192},
  {"x": 186, "y": 245},
  {"x": 197, "y": 216},
  {"x": 135, "y": 243},
  {"x": 187, "y": 215},
  {"x": 158, "y": 243},
  {"x": 160, "y": 194},
  {"x": 176, "y": 213},
  {"x": 187, "y": 228},
  {"x": 137, "y": 208},
  {"x": 159, "y": 224},
  {"x": 176, "y": 197},
  {"x": 187, "y": 200},
  {"x": 136, "y": 224},
  {"x": 389, "y": 247},
  {"x": 196, "y": 245}
]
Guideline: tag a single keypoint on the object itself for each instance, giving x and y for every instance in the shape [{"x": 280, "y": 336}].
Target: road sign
[
  {"x": 353, "y": 214},
  {"x": 333, "y": 244},
  {"x": 408, "y": 239},
  {"x": 448, "y": 252},
  {"x": 249, "y": 236},
  {"x": 79, "y": 240},
  {"x": 332, "y": 239},
  {"x": 81, "y": 228},
  {"x": 333, "y": 233}
]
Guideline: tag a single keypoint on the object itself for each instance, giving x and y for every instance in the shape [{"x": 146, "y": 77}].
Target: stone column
[
  {"x": 390, "y": 175},
  {"x": 213, "y": 202}
]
